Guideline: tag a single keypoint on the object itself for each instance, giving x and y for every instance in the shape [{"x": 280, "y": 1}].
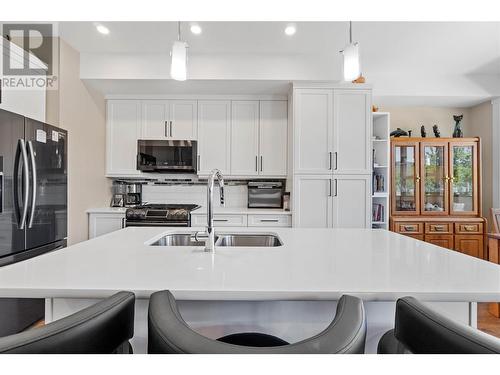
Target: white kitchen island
[{"x": 289, "y": 291}]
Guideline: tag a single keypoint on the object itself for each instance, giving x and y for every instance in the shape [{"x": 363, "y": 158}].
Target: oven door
[
  {"x": 132, "y": 223},
  {"x": 166, "y": 156}
]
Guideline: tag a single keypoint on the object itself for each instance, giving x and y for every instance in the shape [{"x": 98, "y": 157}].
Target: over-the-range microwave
[{"x": 166, "y": 156}]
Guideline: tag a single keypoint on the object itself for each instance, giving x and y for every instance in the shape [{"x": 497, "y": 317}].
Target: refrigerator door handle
[
  {"x": 33, "y": 181},
  {"x": 22, "y": 145}
]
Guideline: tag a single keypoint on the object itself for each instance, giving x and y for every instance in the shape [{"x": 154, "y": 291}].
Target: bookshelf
[{"x": 381, "y": 148}]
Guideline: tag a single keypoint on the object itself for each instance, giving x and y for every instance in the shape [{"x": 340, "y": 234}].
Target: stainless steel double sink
[{"x": 222, "y": 240}]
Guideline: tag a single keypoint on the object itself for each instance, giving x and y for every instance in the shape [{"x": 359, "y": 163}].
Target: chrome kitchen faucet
[{"x": 209, "y": 234}]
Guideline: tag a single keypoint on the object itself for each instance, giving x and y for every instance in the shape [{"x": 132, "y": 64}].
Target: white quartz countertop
[
  {"x": 107, "y": 210},
  {"x": 242, "y": 211},
  {"x": 312, "y": 264}
]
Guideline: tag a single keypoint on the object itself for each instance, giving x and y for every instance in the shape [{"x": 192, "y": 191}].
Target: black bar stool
[
  {"x": 103, "y": 328},
  {"x": 421, "y": 330},
  {"x": 169, "y": 333}
]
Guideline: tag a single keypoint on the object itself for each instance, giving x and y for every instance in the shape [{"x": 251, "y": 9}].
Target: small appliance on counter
[
  {"x": 126, "y": 193},
  {"x": 265, "y": 194}
]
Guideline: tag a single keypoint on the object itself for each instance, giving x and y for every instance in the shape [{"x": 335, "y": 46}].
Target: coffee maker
[{"x": 126, "y": 193}]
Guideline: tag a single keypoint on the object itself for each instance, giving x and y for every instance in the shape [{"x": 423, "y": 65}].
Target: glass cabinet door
[
  {"x": 464, "y": 178},
  {"x": 434, "y": 173},
  {"x": 405, "y": 156}
]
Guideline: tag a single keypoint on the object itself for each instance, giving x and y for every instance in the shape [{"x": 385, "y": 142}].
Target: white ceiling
[
  {"x": 396, "y": 49},
  {"x": 451, "y": 47}
]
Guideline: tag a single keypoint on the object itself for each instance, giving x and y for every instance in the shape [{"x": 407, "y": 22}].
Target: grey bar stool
[
  {"x": 421, "y": 330},
  {"x": 103, "y": 328},
  {"x": 168, "y": 333}
]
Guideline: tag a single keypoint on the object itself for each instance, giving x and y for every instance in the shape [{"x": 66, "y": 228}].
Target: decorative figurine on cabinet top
[
  {"x": 423, "y": 133},
  {"x": 457, "y": 132},
  {"x": 398, "y": 133},
  {"x": 409, "y": 133},
  {"x": 436, "y": 131}
]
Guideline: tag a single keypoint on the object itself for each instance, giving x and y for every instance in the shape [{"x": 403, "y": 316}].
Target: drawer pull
[
  {"x": 224, "y": 220},
  {"x": 269, "y": 220},
  {"x": 410, "y": 228},
  {"x": 439, "y": 228},
  {"x": 470, "y": 228}
]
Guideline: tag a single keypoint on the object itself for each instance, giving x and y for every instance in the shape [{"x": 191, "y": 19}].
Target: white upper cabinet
[
  {"x": 352, "y": 131},
  {"x": 273, "y": 137},
  {"x": 184, "y": 119},
  {"x": 351, "y": 203},
  {"x": 214, "y": 136},
  {"x": 155, "y": 119},
  {"x": 313, "y": 130},
  {"x": 244, "y": 137},
  {"x": 169, "y": 119},
  {"x": 122, "y": 132}
]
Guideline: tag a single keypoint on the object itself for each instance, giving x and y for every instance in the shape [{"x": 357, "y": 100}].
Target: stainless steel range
[{"x": 160, "y": 215}]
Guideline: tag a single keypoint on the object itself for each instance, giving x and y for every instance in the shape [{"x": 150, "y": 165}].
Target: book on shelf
[{"x": 378, "y": 212}]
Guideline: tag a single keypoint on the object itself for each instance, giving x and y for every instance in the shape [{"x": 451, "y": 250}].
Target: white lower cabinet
[
  {"x": 351, "y": 202},
  {"x": 269, "y": 220},
  {"x": 220, "y": 220},
  {"x": 102, "y": 223},
  {"x": 312, "y": 201},
  {"x": 326, "y": 201},
  {"x": 243, "y": 220}
]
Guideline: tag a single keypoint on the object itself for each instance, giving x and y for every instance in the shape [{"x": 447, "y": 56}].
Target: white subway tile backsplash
[{"x": 236, "y": 196}]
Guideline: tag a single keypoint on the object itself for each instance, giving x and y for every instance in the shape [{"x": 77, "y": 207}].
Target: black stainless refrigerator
[{"x": 33, "y": 203}]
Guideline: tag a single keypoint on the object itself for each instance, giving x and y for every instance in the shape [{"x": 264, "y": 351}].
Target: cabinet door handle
[
  {"x": 261, "y": 163},
  {"x": 256, "y": 163},
  {"x": 336, "y": 161},
  {"x": 123, "y": 222},
  {"x": 171, "y": 126},
  {"x": 336, "y": 188},
  {"x": 166, "y": 128},
  {"x": 330, "y": 165},
  {"x": 198, "y": 166},
  {"x": 330, "y": 187}
]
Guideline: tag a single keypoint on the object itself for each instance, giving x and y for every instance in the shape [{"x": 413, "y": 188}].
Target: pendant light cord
[
  {"x": 179, "y": 31},
  {"x": 350, "y": 32}
]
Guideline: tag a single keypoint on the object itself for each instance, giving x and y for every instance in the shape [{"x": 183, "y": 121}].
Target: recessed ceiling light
[
  {"x": 102, "y": 29},
  {"x": 196, "y": 29},
  {"x": 290, "y": 30}
]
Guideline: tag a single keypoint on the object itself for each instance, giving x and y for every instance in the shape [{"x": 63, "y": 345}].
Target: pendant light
[
  {"x": 350, "y": 53},
  {"x": 178, "y": 67}
]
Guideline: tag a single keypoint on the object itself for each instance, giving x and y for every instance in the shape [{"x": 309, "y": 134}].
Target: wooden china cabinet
[{"x": 436, "y": 192}]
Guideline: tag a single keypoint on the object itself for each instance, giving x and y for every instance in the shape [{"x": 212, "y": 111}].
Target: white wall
[
  {"x": 411, "y": 118},
  {"x": 481, "y": 125},
  {"x": 82, "y": 113}
]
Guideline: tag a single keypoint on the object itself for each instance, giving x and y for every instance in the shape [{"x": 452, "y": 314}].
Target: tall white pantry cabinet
[{"x": 332, "y": 155}]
